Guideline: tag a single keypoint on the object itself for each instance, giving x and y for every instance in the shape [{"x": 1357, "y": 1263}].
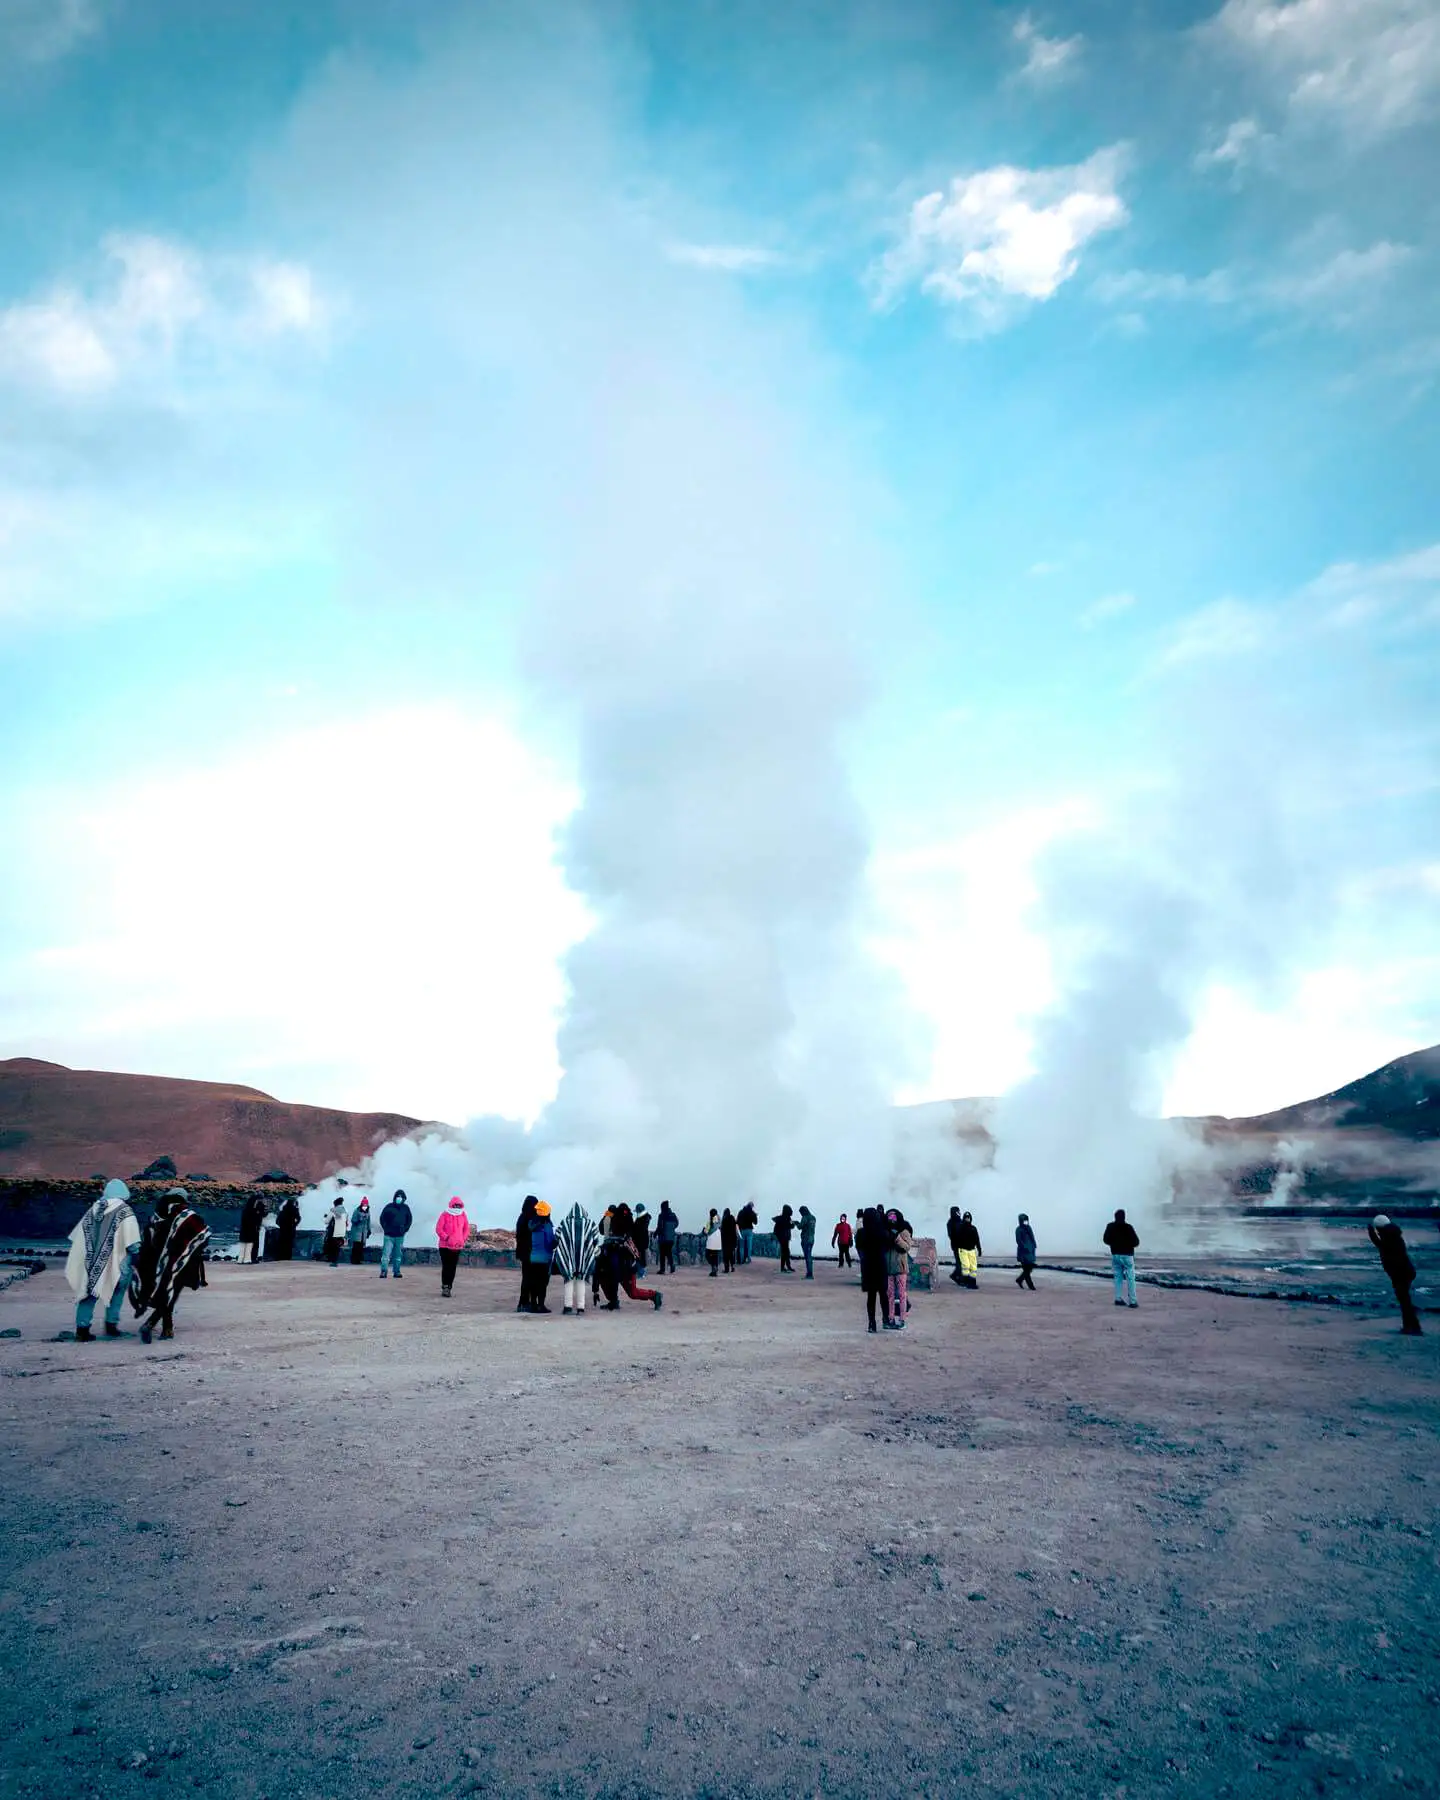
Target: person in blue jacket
[
  {"x": 541, "y": 1253},
  {"x": 395, "y": 1220}
]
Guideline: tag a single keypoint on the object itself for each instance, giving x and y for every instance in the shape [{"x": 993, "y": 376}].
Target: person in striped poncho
[{"x": 577, "y": 1244}]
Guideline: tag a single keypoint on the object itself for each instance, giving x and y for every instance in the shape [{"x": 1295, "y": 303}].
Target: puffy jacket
[
  {"x": 337, "y": 1222},
  {"x": 542, "y": 1241},
  {"x": 396, "y": 1219},
  {"x": 898, "y": 1255},
  {"x": 452, "y": 1227}
]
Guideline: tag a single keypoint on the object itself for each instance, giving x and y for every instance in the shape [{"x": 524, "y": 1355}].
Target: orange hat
[{"x": 542, "y": 1211}]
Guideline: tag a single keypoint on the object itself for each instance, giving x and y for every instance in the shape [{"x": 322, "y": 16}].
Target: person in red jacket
[
  {"x": 841, "y": 1238},
  {"x": 452, "y": 1228}
]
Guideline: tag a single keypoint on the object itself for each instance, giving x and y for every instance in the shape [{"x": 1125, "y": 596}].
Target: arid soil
[{"x": 345, "y": 1538}]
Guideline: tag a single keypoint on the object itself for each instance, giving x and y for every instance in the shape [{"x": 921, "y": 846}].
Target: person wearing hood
[
  {"x": 523, "y": 1226},
  {"x": 807, "y": 1241},
  {"x": 729, "y": 1239},
  {"x": 396, "y": 1219},
  {"x": 841, "y": 1238},
  {"x": 360, "y": 1229},
  {"x": 252, "y": 1221},
  {"x": 640, "y": 1238},
  {"x": 784, "y": 1224},
  {"x": 1389, "y": 1240},
  {"x": 1025, "y": 1253},
  {"x": 952, "y": 1231},
  {"x": 746, "y": 1219},
  {"x": 872, "y": 1240},
  {"x": 1122, "y": 1241},
  {"x": 667, "y": 1230},
  {"x": 452, "y": 1229},
  {"x": 171, "y": 1257},
  {"x": 337, "y": 1223},
  {"x": 287, "y": 1223},
  {"x": 542, "y": 1249},
  {"x": 99, "y": 1266},
  {"x": 897, "y": 1269},
  {"x": 577, "y": 1244},
  {"x": 968, "y": 1252}
]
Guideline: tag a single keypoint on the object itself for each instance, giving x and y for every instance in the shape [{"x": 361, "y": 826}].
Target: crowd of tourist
[{"x": 111, "y": 1257}]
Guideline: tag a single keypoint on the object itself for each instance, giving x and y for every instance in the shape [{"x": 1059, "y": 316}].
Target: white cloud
[
  {"x": 1403, "y": 591},
  {"x": 152, "y": 301},
  {"x": 42, "y": 31},
  {"x": 1046, "y": 58},
  {"x": 1241, "y": 144},
  {"x": 1109, "y": 606},
  {"x": 1003, "y": 238},
  {"x": 1338, "y": 289},
  {"x": 371, "y": 916},
  {"x": 1373, "y": 65},
  {"x": 725, "y": 259},
  {"x": 1224, "y": 628}
]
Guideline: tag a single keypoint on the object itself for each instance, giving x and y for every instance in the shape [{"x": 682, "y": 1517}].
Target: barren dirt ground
[{"x": 342, "y": 1537}]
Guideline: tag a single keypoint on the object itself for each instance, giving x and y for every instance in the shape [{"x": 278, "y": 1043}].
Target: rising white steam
[{"x": 694, "y": 590}]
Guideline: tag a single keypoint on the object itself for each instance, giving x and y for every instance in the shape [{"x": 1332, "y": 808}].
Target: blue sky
[{"x": 1109, "y": 330}]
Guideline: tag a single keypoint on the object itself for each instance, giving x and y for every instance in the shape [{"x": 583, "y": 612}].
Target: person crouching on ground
[
  {"x": 359, "y": 1231},
  {"x": 807, "y": 1241},
  {"x": 171, "y": 1257},
  {"x": 1025, "y": 1253},
  {"x": 337, "y": 1223},
  {"x": 667, "y": 1230},
  {"x": 1389, "y": 1240},
  {"x": 1122, "y": 1241},
  {"x": 616, "y": 1264},
  {"x": 968, "y": 1252},
  {"x": 577, "y": 1244},
  {"x": 542, "y": 1249},
  {"x": 396, "y": 1219},
  {"x": 871, "y": 1242},
  {"x": 841, "y": 1238},
  {"x": 452, "y": 1228},
  {"x": 100, "y": 1264},
  {"x": 729, "y": 1240}
]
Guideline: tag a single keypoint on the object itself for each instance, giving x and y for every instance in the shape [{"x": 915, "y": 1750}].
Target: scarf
[
  {"x": 577, "y": 1244},
  {"x": 101, "y": 1243},
  {"x": 169, "y": 1257}
]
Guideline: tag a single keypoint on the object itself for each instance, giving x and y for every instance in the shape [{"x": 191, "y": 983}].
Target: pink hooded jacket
[{"x": 452, "y": 1227}]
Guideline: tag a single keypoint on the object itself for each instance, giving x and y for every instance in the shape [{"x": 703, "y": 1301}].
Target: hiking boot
[
  {"x": 444, "y": 1293},
  {"x": 658, "y": 1301},
  {"x": 168, "y": 1332},
  {"x": 565, "y": 1311},
  {"x": 84, "y": 1335},
  {"x": 872, "y": 1326},
  {"x": 399, "y": 1276},
  {"x": 146, "y": 1333},
  {"x": 382, "y": 1274},
  {"x": 111, "y": 1330}
]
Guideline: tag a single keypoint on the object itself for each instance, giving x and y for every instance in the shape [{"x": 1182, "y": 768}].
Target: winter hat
[
  {"x": 1379, "y": 1220},
  {"x": 542, "y": 1211},
  {"x": 115, "y": 1190},
  {"x": 175, "y": 1193},
  {"x": 365, "y": 1200}
]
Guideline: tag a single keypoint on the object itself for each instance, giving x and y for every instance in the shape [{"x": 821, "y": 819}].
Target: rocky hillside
[
  {"x": 62, "y": 1122},
  {"x": 1402, "y": 1098}
]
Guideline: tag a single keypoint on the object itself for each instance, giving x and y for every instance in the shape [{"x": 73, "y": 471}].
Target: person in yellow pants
[{"x": 967, "y": 1252}]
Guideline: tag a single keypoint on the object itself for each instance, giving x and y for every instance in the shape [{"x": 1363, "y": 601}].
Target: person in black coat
[
  {"x": 1122, "y": 1241},
  {"x": 1389, "y": 1240},
  {"x": 287, "y": 1223},
  {"x": 872, "y": 1240},
  {"x": 729, "y": 1239},
  {"x": 522, "y": 1251},
  {"x": 784, "y": 1223}
]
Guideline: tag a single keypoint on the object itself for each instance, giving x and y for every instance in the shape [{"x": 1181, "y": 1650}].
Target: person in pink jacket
[{"x": 452, "y": 1228}]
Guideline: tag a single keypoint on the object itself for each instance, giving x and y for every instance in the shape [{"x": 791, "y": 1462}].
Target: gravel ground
[{"x": 343, "y": 1537}]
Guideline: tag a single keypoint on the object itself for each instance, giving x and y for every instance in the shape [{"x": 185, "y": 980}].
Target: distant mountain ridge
[
  {"x": 60, "y": 1122},
  {"x": 1403, "y": 1098}
]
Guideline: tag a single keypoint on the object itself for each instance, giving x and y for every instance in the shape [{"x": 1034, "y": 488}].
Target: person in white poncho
[{"x": 102, "y": 1246}]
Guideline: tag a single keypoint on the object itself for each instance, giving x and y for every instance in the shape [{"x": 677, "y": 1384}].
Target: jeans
[
  {"x": 746, "y": 1238},
  {"x": 392, "y": 1255},
  {"x": 85, "y": 1311},
  {"x": 808, "y": 1252},
  {"x": 1124, "y": 1267}
]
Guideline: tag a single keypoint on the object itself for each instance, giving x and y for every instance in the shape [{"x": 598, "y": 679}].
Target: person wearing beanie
[
  {"x": 967, "y": 1252},
  {"x": 102, "y": 1252},
  {"x": 542, "y": 1249},
  {"x": 1389, "y": 1240},
  {"x": 452, "y": 1228},
  {"x": 396, "y": 1219},
  {"x": 1025, "y": 1252},
  {"x": 360, "y": 1229},
  {"x": 577, "y": 1244}
]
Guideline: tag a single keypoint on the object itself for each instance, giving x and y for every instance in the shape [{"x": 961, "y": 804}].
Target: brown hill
[{"x": 78, "y": 1122}]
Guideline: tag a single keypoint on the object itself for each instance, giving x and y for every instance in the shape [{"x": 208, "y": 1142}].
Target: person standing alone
[
  {"x": 395, "y": 1220},
  {"x": 807, "y": 1241},
  {"x": 841, "y": 1238},
  {"x": 452, "y": 1228},
  {"x": 1025, "y": 1252},
  {"x": 1122, "y": 1241},
  {"x": 1389, "y": 1240}
]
